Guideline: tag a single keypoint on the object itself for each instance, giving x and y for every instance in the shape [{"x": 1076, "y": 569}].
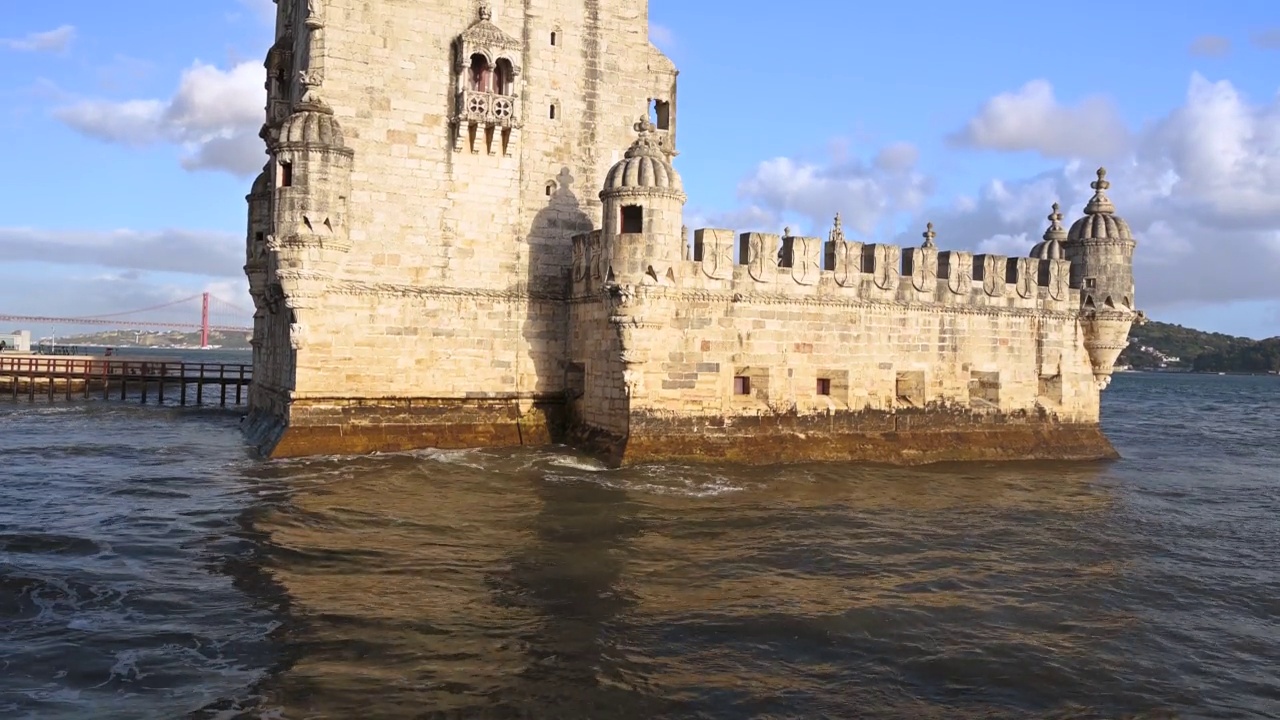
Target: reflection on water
[
  {"x": 527, "y": 584},
  {"x": 538, "y": 584}
]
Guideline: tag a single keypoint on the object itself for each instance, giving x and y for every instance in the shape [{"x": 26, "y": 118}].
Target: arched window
[
  {"x": 504, "y": 78},
  {"x": 481, "y": 74}
]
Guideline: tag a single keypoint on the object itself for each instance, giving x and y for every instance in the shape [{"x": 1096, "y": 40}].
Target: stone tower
[
  {"x": 1100, "y": 247},
  {"x": 409, "y": 240}
]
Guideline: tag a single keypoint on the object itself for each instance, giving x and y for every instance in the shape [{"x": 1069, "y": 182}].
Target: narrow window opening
[
  {"x": 553, "y": 38},
  {"x": 824, "y": 386},
  {"x": 661, "y": 115},
  {"x": 553, "y": 112},
  {"x": 1091, "y": 283},
  {"x": 551, "y": 188},
  {"x": 259, "y": 238},
  {"x": 632, "y": 219},
  {"x": 286, "y": 174},
  {"x": 504, "y": 76},
  {"x": 481, "y": 74},
  {"x": 741, "y": 385}
]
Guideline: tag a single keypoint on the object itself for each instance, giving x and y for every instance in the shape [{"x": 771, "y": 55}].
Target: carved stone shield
[
  {"x": 924, "y": 271},
  {"x": 960, "y": 275},
  {"x": 848, "y": 263},
  {"x": 806, "y": 260},
  {"x": 993, "y": 268},
  {"x": 717, "y": 256},
  {"x": 1059, "y": 279},
  {"x": 887, "y": 264},
  {"x": 763, "y": 258},
  {"x": 1026, "y": 286}
]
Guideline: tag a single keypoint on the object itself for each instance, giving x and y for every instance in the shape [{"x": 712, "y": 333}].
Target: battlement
[{"x": 767, "y": 264}]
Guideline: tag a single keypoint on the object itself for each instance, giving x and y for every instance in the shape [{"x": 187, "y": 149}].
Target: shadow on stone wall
[{"x": 550, "y": 243}]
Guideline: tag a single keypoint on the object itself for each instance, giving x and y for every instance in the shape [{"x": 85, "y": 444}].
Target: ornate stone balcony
[{"x": 487, "y": 109}]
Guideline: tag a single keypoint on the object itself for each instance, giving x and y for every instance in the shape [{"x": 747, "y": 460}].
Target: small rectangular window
[
  {"x": 824, "y": 386},
  {"x": 662, "y": 114},
  {"x": 286, "y": 174},
  {"x": 632, "y": 219},
  {"x": 1091, "y": 283},
  {"x": 259, "y": 238},
  {"x": 553, "y": 112},
  {"x": 553, "y": 38},
  {"x": 742, "y": 385}
]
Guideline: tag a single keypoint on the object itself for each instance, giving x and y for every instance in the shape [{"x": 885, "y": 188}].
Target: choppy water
[{"x": 149, "y": 568}]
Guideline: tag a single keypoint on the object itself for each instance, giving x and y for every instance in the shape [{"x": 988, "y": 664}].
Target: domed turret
[
  {"x": 312, "y": 124},
  {"x": 1100, "y": 247},
  {"x": 643, "y": 201},
  {"x": 645, "y": 166},
  {"x": 1050, "y": 248}
]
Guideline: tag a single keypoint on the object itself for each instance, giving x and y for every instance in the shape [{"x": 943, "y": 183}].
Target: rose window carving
[
  {"x": 476, "y": 104},
  {"x": 502, "y": 109}
]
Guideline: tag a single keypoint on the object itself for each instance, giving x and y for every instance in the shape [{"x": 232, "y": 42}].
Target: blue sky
[{"x": 132, "y": 136}]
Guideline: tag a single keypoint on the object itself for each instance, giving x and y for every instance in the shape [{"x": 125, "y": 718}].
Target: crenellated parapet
[{"x": 744, "y": 265}]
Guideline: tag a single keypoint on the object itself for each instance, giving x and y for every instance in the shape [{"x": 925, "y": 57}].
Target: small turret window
[
  {"x": 286, "y": 174},
  {"x": 661, "y": 114},
  {"x": 553, "y": 37},
  {"x": 632, "y": 219}
]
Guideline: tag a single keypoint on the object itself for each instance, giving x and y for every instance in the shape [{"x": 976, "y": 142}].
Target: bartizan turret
[
  {"x": 313, "y": 182},
  {"x": 643, "y": 201},
  {"x": 1100, "y": 247}
]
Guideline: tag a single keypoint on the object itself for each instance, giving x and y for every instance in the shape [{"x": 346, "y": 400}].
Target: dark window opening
[
  {"x": 551, "y": 188},
  {"x": 824, "y": 386},
  {"x": 553, "y": 112},
  {"x": 632, "y": 219},
  {"x": 661, "y": 114},
  {"x": 504, "y": 78},
  {"x": 258, "y": 238},
  {"x": 481, "y": 74},
  {"x": 553, "y": 38},
  {"x": 742, "y": 385},
  {"x": 1091, "y": 283},
  {"x": 286, "y": 174}
]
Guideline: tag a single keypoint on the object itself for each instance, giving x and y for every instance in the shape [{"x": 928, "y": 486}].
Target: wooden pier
[{"x": 35, "y": 377}]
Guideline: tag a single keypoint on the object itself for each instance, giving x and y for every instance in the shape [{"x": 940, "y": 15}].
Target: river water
[{"x": 149, "y": 568}]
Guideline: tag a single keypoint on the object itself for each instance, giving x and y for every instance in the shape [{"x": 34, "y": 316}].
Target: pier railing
[{"x": 187, "y": 383}]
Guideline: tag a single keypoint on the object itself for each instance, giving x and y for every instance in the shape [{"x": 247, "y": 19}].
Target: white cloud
[
  {"x": 1200, "y": 189},
  {"x": 1210, "y": 46},
  {"x": 865, "y": 193},
  {"x": 56, "y": 40},
  {"x": 214, "y": 115},
  {"x": 1031, "y": 119},
  {"x": 661, "y": 35},
  {"x": 213, "y": 254}
]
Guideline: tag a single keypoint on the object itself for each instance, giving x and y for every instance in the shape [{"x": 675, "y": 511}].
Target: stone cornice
[{"x": 515, "y": 292}]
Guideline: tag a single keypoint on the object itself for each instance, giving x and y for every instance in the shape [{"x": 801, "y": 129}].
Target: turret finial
[
  {"x": 1100, "y": 204},
  {"x": 928, "y": 236},
  {"x": 486, "y": 13},
  {"x": 786, "y": 231},
  {"x": 1055, "y": 218},
  {"x": 837, "y": 231}
]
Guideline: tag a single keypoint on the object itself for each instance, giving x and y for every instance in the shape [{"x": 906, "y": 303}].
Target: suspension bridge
[{"x": 213, "y": 314}]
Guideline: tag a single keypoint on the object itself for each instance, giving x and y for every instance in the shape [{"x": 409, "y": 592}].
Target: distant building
[
  {"x": 462, "y": 238},
  {"x": 17, "y": 341}
]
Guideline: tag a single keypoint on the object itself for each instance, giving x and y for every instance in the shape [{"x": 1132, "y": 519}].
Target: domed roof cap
[
  {"x": 1100, "y": 221},
  {"x": 1051, "y": 247},
  {"x": 262, "y": 183},
  {"x": 645, "y": 165},
  {"x": 312, "y": 123}
]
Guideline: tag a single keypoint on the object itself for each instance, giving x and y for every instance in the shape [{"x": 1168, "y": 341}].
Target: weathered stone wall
[
  {"x": 454, "y": 283},
  {"x": 778, "y": 347}
]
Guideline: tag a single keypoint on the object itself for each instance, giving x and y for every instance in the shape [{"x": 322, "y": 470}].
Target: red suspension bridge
[{"x": 214, "y": 314}]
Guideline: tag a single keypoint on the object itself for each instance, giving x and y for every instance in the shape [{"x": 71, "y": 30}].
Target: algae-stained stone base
[
  {"x": 903, "y": 438},
  {"x": 355, "y": 427}
]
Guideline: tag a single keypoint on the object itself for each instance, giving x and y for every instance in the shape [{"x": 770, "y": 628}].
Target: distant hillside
[
  {"x": 1164, "y": 345},
  {"x": 171, "y": 339}
]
